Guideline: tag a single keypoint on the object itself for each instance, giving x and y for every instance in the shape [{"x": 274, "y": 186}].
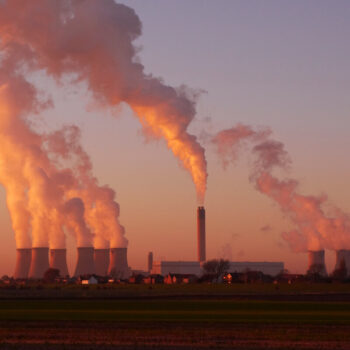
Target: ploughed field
[{"x": 174, "y": 323}]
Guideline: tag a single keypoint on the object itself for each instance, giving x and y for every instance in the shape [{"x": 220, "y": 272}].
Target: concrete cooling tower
[
  {"x": 40, "y": 262},
  {"x": 343, "y": 255},
  {"x": 316, "y": 262},
  {"x": 58, "y": 261},
  {"x": 101, "y": 258},
  {"x": 118, "y": 264},
  {"x": 85, "y": 261},
  {"x": 201, "y": 234},
  {"x": 23, "y": 260}
]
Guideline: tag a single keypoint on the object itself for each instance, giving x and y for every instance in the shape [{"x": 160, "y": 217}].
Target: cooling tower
[
  {"x": 343, "y": 255},
  {"x": 58, "y": 261},
  {"x": 118, "y": 264},
  {"x": 101, "y": 258},
  {"x": 150, "y": 261},
  {"x": 201, "y": 233},
  {"x": 40, "y": 262},
  {"x": 316, "y": 262},
  {"x": 85, "y": 261},
  {"x": 23, "y": 260}
]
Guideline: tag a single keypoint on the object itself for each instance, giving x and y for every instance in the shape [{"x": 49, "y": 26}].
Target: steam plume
[
  {"x": 101, "y": 209},
  {"x": 94, "y": 40},
  {"x": 314, "y": 229},
  {"x": 42, "y": 195}
]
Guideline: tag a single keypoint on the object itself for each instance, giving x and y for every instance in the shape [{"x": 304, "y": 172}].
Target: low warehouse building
[
  {"x": 268, "y": 268},
  {"x": 176, "y": 267}
]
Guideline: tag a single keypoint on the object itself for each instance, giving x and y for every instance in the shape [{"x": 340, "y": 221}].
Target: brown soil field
[{"x": 81, "y": 335}]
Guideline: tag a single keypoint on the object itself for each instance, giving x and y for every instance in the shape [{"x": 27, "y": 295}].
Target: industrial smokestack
[
  {"x": 58, "y": 261},
  {"x": 85, "y": 261},
  {"x": 316, "y": 262},
  {"x": 101, "y": 258},
  {"x": 118, "y": 265},
  {"x": 201, "y": 233},
  {"x": 40, "y": 262},
  {"x": 23, "y": 260},
  {"x": 343, "y": 255},
  {"x": 150, "y": 261}
]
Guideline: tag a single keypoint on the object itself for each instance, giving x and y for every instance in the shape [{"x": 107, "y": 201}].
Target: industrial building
[
  {"x": 194, "y": 267},
  {"x": 34, "y": 262},
  {"x": 266, "y": 267},
  {"x": 178, "y": 267}
]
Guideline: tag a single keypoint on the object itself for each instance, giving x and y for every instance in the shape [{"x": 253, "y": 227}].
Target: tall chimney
[
  {"x": 85, "y": 261},
  {"x": 150, "y": 261},
  {"x": 316, "y": 262},
  {"x": 343, "y": 255},
  {"x": 40, "y": 262},
  {"x": 101, "y": 258},
  {"x": 58, "y": 261},
  {"x": 201, "y": 233},
  {"x": 23, "y": 260},
  {"x": 118, "y": 264}
]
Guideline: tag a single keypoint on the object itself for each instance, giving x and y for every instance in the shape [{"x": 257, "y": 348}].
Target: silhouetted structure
[
  {"x": 58, "y": 260},
  {"x": 118, "y": 264},
  {"x": 39, "y": 263},
  {"x": 316, "y": 263},
  {"x": 201, "y": 234},
  {"x": 85, "y": 261},
  {"x": 343, "y": 260},
  {"x": 150, "y": 261},
  {"x": 23, "y": 260}
]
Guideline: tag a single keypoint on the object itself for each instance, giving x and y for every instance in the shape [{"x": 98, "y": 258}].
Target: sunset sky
[{"x": 279, "y": 64}]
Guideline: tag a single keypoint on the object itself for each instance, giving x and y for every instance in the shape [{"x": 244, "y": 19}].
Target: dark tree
[
  {"x": 216, "y": 267},
  {"x": 51, "y": 274}
]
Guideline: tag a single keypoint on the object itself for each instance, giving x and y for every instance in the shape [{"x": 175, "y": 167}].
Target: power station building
[
  {"x": 266, "y": 267},
  {"x": 178, "y": 267},
  {"x": 194, "y": 267}
]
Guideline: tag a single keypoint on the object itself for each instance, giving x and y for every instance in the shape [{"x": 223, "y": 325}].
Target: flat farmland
[{"x": 174, "y": 323}]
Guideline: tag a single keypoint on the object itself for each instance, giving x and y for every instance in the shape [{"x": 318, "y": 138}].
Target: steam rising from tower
[
  {"x": 94, "y": 40},
  {"x": 318, "y": 224},
  {"x": 201, "y": 234}
]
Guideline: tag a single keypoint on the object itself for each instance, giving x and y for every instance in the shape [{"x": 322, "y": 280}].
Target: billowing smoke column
[
  {"x": 94, "y": 40},
  {"x": 24, "y": 257},
  {"x": 315, "y": 229},
  {"x": 85, "y": 261},
  {"x": 41, "y": 197},
  {"x": 74, "y": 210},
  {"x": 101, "y": 211},
  {"x": 118, "y": 265},
  {"x": 201, "y": 234},
  {"x": 58, "y": 260},
  {"x": 343, "y": 260},
  {"x": 101, "y": 260},
  {"x": 316, "y": 262},
  {"x": 40, "y": 262}
]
